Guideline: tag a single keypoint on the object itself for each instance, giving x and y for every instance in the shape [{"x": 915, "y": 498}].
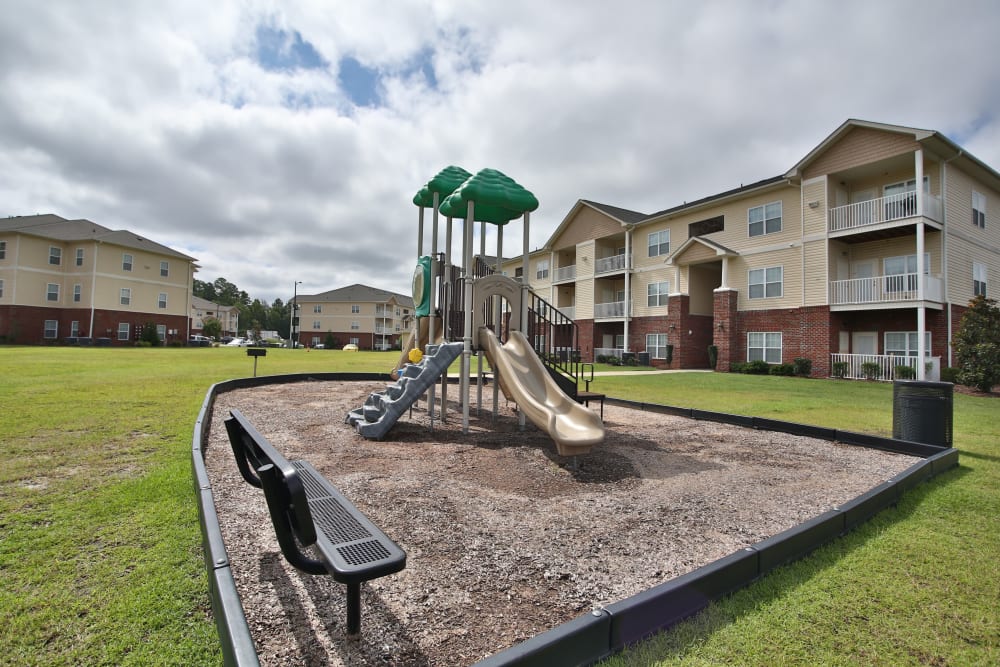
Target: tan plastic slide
[
  {"x": 417, "y": 338},
  {"x": 574, "y": 428}
]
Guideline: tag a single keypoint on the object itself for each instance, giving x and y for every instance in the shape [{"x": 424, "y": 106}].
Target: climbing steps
[{"x": 383, "y": 409}]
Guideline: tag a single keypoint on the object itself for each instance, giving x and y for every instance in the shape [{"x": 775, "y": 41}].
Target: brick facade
[{"x": 26, "y": 324}]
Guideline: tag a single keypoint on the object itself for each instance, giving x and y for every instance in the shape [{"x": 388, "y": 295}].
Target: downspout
[
  {"x": 93, "y": 290},
  {"x": 628, "y": 285}
]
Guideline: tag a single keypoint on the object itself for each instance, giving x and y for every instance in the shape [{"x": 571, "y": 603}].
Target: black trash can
[
  {"x": 643, "y": 358},
  {"x": 922, "y": 412}
]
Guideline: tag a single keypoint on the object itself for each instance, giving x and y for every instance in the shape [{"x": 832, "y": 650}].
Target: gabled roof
[
  {"x": 199, "y": 303},
  {"x": 57, "y": 228},
  {"x": 622, "y": 215},
  {"x": 719, "y": 249},
  {"x": 359, "y": 294}
]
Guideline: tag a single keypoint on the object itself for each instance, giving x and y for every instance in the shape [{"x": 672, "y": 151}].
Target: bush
[
  {"x": 949, "y": 374},
  {"x": 601, "y": 359},
  {"x": 737, "y": 367},
  {"x": 871, "y": 370},
  {"x": 977, "y": 345},
  {"x": 782, "y": 369},
  {"x": 904, "y": 372},
  {"x": 757, "y": 367},
  {"x": 713, "y": 356},
  {"x": 839, "y": 369},
  {"x": 670, "y": 354},
  {"x": 803, "y": 366}
]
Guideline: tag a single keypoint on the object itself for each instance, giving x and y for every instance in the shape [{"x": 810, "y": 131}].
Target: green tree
[
  {"x": 977, "y": 345},
  {"x": 149, "y": 334},
  {"x": 211, "y": 327}
]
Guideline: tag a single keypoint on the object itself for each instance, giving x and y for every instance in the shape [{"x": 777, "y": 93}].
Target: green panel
[
  {"x": 422, "y": 287},
  {"x": 446, "y": 181},
  {"x": 499, "y": 196}
]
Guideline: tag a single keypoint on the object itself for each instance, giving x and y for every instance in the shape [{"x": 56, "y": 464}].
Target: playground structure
[{"x": 489, "y": 314}]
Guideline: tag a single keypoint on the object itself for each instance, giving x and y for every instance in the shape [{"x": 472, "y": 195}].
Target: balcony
[
  {"x": 885, "y": 290},
  {"x": 568, "y": 311},
  {"x": 887, "y": 364},
  {"x": 609, "y": 309},
  {"x": 868, "y": 214},
  {"x": 608, "y": 352},
  {"x": 611, "y": 264},
  {"x": 564, "y": 273},
  {"x": 384, "y": 331}
]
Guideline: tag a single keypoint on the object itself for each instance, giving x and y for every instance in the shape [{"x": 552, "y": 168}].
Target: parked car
[
  {"x": 200, "y": 341},
  {"x": 350, "y": 347},
  {"x": 237, "y": 342}
]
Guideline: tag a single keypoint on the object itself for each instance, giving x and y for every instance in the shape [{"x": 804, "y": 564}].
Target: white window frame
[
  {"x": 542, "y": 269},
  {"x": 164, "y": 269},
  {"x": 619, "y": 341},
  {"x": 161, "y": 331},
  {"x": 909, "y": 269},
  {"x": 656, "y": 345},
  {"x": 978, "y": 209},
  {"x": 1, "y": 288},
  {"x": 767, "y": 219},
  {"x": 127, "y": 262},
  {"x": 123, "y": 330},
  {"x": 908, "y": 346},
  {"x": 761, "y": 280},
  {"x": 355, "y": 341},
  {"x": 657, "y": 293},
  {"x": 656, "y": 245},
  {"x": 125, "y": 296},
  {"x": 161, "y": 300},
  {"x": 764, "y": 341},
  {"x": 3, "y": 250},
  {"x": 355, "y": 325},
  {"x": 52, "y": 292},
  {"x": 355, "y": 309},
  {"x": 316, "y": 324},
  {"x": 77, "y": 293},
  {"x": 74, "y": 328},
  {"x": 55, "y": 255},
  {"x": 979, "y": 282},
  {"x": 51, "y": 330},
  {"x": 79, "y": 256},
  {"x": 318, "y": 308}
]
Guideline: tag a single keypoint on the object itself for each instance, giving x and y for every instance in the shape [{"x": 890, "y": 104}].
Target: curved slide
[{"x": 574, "y": 428}]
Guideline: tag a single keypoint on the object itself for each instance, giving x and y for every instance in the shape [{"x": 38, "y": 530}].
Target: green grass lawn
[{"x": 100, "y": 553}]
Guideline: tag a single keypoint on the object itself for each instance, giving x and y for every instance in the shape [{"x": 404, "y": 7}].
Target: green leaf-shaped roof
[
  {"x": 444, "y": 184},
  {"x": 498, "y": 198}
]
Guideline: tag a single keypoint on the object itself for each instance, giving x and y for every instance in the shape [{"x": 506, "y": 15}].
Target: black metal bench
[{"x": 307, "y": 510}]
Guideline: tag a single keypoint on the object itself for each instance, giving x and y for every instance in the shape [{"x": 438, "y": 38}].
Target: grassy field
[{"x": 100, "y": 551}]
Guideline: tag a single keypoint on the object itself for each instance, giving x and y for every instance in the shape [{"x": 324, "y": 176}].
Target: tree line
[{"x": 255, "y": 314}]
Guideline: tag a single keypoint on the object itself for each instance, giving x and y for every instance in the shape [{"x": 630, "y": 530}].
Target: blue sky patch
[
  {"x": 359, "y": 82},
  {"x": 280, "y": 50}
]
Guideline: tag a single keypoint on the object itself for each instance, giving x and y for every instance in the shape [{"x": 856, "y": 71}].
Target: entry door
[
  {"x": 864, "y": 289},
  {"x": 864, "y": 342}
]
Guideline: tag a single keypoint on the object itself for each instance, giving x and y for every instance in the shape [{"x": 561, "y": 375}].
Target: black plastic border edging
[{"x": 603, "y": 632}]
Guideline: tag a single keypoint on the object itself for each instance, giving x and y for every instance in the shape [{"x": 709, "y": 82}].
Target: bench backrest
[{"x": 253, "y": 452}]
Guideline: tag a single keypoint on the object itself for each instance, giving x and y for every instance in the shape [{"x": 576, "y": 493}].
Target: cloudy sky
[{"x": 284, "y": 141}]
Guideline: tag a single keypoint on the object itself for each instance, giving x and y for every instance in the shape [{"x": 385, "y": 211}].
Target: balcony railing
[
  {"x": 609, "y": 264},
  {"x": 609, "y": 309},
  {"x": 608, "y": 352},
  {"x": 884, "y": 289},
  {"x": 883, "y": 209},
  {"x": 563, "y": 273},
  {"x": 887, "y": 364},
  {"x": 384, "y": 331},
  {"x": 568, "y": 311}
]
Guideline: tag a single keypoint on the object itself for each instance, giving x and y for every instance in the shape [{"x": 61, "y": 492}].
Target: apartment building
[
  {"x": 868, "y": 249},
  {"x": 203, "y": 309},
  {"x": 76, "y": 279},
  {"x": 371, "y": 318}
]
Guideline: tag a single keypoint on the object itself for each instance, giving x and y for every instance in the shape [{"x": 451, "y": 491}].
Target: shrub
[
  {"x": 871, "y": 370},
  {"x": 977, "y": 345},
  {"x": 949, "y": 374},
  {"x": 601, "y": 359},
  {"x": 670, "y": 354},
  {"x": 713, "y": 356},
  {"x": 149, "y": 336},
  {"x": 803, "y": 366},
  {"x": 839, "y": 369},
  {"x": 782, "y": 369},
  {"x": 737, "y": 367},
  {"x": 757, "y": 367},
  {"x": 904, "y": 372}
]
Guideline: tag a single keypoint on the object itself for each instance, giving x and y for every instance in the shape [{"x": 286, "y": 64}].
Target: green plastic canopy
[
  {"x": 498, "y": 198},
  {"x": 444, "y": 184}
]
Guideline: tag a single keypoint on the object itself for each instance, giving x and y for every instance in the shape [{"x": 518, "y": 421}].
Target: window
[
  {"x": 619, "y": 341},
  {"x": 161, "y": 301},
  {"x": 764, "y": 345},
  {"x": 904, "y": 343},
  {"x": 55, "y": 255},
  {"x": 126, "y": 262},
  {"x": 126, "y": 296},
  {"x": 1, "y": 288},
  {"x": 355, "y": 341},
  {"x": 123, "y": 330},
  {"x": 77, "y": 293},
  {"x": 316, "y": 324},
  {"x": 355, "y": 309},
  {"x": 901, "y": 272},
  {"x": 656, "y": 346},
  {"x": 978, "y": 279},
  {"x": 161, "y": 331},
  {"x": 51, "y": 329},
  {"x": 978, "y": 210},
  {"x": 79, "y": 256},
  {"x": 355, "y": 325},
  {"x": 164, "y": 269},
  {"x": 52, "y": 292},
  {"x": 656, "y": 294},
  {"x": 766, "y": 283},
  {"x": 3, "y": 250},
  {"x": 317, "y": 308},
  {"x": 659, "y": 243},
  {"x": 406, "y": 311},
  {"x": 900, "y": 198},
  {"x": 765, "y": 219},
  {"x": 74, "y": 328},
  {"x": 542, "y": 269},
  {"x": 519, "y": 272}
]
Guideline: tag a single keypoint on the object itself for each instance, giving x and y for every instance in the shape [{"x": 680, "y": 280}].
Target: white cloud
[{"x": 156, "y": 117}]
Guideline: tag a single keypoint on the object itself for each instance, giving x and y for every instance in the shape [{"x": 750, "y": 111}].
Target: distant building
[
  {"x": 64, "y": 279},
  {"x": 371, "y": 318},
  {"x": 202, "y": 309}
]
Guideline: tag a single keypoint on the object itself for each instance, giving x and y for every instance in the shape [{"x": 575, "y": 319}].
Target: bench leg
[{"x": 353, "y": 608}]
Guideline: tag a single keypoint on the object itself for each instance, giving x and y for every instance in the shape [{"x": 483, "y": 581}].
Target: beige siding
[
  {"x": 640, "y": 285},
  {"x": 790, "y": 260},
  {"x": 814, "y": 219},
  {"x": 815, "y": 289},
  {"x": 585, "y": 257},
  {"x": 966, "y": 242},
  {"x": 640, "y": 246},
  {"x": 860, "y": 145},
  {"x": 586, "y": 225},
  {"x": 697, "y": 253}
]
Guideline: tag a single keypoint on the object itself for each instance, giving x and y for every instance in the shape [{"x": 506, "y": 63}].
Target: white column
[
  {"x": 525, "y": 288},
  {"x": 467, "y": 336},
  {"x": 445, "y": 307},
  {"x": 628, "y": 282},
  {"x": 420, "y": 233},
  {"x": 918, "y": 158},
  {"x": 921, "y": 311},
  {"x": 431, "y": 399},
  {"x": 497, "y": 320},
  {"x": 725, "y": 273}
]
